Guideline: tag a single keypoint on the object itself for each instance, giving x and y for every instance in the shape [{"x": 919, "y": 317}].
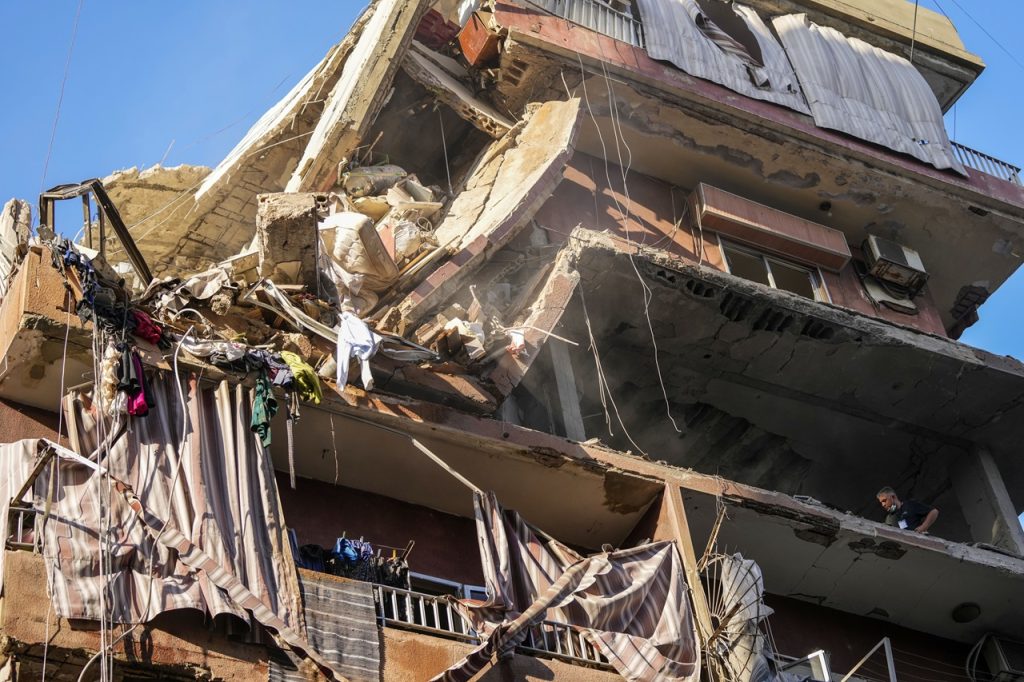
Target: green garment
[
  {"x": 264, "y": 407},
  {"x": 307, "y": 383}
]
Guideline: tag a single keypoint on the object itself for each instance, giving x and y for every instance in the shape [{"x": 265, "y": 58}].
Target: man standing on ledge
[{"x": 909, "y": 514}]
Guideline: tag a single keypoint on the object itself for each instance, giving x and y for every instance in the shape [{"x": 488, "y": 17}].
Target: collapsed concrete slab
[
  {"x": 423, "y": 66},
  {"x": 359, "y": 93},
  {"x": 509, "y": 183},
  {"x": 154, "y": 203}
]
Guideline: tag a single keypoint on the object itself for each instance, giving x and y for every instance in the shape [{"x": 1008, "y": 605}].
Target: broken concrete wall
[
  {"x": 186, "y": 218},
  {"x": 359, "y": 93},
  {"x": 512, "y": 179},
  {"x": 15, "y": 227},
  {"x": 441, "y": 76},
  {"x": 154, "y": 204}
]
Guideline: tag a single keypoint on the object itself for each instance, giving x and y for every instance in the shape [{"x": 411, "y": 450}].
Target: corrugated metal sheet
[
  {"x": 341, "y": 625},
  {"x": 861, "y": 90},
  {"x": 672, "y": 34},
  {"x": 597, "y": 16}
]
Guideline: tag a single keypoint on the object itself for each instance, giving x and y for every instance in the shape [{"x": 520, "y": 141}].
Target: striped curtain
[
  {"x": 224, "y": 501},
  {"x": 864, "y": 91},
  {"x": 631, "y": 604}
]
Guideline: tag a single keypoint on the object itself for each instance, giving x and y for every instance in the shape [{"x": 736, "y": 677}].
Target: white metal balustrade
[
  {"x": 986, "y": 164},
  {"x": 435, "y": 615}
]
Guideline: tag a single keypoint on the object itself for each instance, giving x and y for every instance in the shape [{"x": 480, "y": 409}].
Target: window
[{"x": 774, "y": 272}]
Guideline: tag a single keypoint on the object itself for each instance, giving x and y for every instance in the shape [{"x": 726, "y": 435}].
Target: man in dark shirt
[{"x": 906, "y": 514}]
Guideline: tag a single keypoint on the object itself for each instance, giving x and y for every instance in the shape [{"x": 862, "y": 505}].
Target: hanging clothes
[
  {"x": 264, "y": 407},
  {"x": 355, "y": 341},
  {"x": 307, "y": 384},
  {"x": 145, "y": 328},
  {"x": 140, "y": 398}
]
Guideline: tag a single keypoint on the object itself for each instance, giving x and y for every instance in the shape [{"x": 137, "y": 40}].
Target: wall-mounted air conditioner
[
  {"x": 1004, "y": 658},
  {"x": 894, "y": 263}
]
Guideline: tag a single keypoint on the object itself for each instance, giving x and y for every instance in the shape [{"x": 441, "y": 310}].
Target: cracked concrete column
[
  {"x": 985, "y": 502},
  {"x": 286, "y": 233}
]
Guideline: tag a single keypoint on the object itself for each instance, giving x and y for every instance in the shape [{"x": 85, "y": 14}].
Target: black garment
[{"x": 910, "y": 512}]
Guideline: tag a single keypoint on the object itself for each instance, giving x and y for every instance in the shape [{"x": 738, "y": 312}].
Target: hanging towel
[
  {"x": 264, "y": 407},
  {"x": 356, "y": 340},
  {"x": 307, "y": 385}
]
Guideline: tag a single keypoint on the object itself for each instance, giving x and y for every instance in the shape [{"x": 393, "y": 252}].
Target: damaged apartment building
[{"x": 530, "y": 339}]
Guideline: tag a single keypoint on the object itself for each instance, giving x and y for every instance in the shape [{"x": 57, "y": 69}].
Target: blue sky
[{"x": 181, "y": 82}]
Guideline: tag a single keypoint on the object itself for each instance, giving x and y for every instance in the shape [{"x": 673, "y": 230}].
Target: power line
[
  {"x": 986, "y": 32},
  {"x": 60, "y": 97}
]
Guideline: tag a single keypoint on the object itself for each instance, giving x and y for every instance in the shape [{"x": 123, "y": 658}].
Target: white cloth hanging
[{"x": 356, "y": 340}]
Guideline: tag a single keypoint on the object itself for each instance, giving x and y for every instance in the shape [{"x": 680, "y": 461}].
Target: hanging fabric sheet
[
  {"x": 631, "y": 604},
  {"x": 224, "y": 499},
  {"x": 678, "y": 31},
  {"x": 864, "y": 91}
]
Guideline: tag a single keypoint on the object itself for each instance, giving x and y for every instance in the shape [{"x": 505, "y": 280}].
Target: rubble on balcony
[{"x": 382, "y": 231}]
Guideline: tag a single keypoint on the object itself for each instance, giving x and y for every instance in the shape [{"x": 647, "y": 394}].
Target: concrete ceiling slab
[
  {"x": 854, "y": 566},
  {"x": 581, "y": 505}
]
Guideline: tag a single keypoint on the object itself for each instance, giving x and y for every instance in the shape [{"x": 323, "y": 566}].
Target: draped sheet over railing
[
  {"x": 630, "y": 605},
  {"x": 224, "y": 499},
  {"x": 864, "y": 91}
]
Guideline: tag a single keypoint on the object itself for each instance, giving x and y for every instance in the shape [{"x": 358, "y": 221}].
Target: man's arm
[{"x": 928, "y": 521}]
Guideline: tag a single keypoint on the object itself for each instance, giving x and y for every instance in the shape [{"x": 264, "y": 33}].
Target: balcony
[
  {"x": 609, "y": 19},
  {"x": 433, "y": 614}
]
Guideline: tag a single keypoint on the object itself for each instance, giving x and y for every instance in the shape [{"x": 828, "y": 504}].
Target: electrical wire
[
  {"x": 60, "y": 97},
  {"x": 990, "y": 36},
  {"x": 156, "y": 542},
  {"x": 624, "y": 214}
]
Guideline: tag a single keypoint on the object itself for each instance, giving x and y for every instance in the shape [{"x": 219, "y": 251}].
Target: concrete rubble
[{"x": 452, "y": 249}]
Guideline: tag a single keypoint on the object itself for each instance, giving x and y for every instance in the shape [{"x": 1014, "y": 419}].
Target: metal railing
[
  {"x": 598, "y": 16},
  {"x": 21, "y": 528},
  {"x": 418, "y": 611},
  {"x": 986, "y": 164},
  {"x": 435, "y": 615},
  {"x": 561, "y": 640}
]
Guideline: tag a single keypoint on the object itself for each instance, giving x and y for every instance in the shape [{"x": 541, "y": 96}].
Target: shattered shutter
[
  {"x": 861, "y": 90},
  {"x": 672, "y": 34}
]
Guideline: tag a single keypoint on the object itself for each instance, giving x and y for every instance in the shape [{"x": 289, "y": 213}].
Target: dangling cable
[{"x": 151, "y": 559}]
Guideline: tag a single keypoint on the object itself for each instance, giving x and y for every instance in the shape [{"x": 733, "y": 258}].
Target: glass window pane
[
  {"x": 797, "y": 280},
  {"x": 744, "y": 265}
]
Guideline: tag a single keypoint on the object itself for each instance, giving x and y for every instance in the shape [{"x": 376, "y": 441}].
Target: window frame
[{"x": 821, "y": 293}]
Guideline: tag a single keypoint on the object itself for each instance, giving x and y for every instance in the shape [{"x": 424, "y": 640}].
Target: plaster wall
[
  {"x": 18, "y": 422},
  {"x": 649, "y": 212},
  {"x": 800, "y": 628}
]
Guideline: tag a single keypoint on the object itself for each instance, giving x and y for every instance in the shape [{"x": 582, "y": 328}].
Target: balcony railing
[
  {"x": 435, "y": 615},
  {"x": 598, "y": 16},
  {"x": 986, "y": 164},
  {"x": 21, "y": 523}
]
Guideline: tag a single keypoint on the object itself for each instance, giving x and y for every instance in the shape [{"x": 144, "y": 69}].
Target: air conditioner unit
[
  {"x": 1004, "y": 658},
  {"x": 894, "y": 263}
]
